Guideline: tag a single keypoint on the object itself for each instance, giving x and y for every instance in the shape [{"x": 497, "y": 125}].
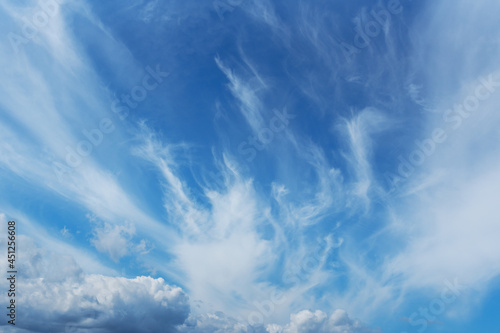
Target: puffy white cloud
[
  {"x": 317, "y": 322},
  {"x": 113, "y": 240},
  {"x": 55, "y": 295},
  {"x": 101, "y": 303},
  {"x": 213, "y": 322}
]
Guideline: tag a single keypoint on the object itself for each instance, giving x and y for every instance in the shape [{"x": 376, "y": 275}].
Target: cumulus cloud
[
  {"x": 302, "y": 322},
  {"x": 113, "y": 240},
  {"x": 213, "y": 322},
  {"x": 102, "y": 303},
  {"x": 55, "y": 295},
  {"x": 319, "y": 322}
]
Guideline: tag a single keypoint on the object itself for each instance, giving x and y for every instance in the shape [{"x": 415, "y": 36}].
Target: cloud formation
[
  {"x": 319, "y": 322},
  {"x": 54, "y": 290}
]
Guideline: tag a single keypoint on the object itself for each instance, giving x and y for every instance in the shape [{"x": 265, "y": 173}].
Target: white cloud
[
  {"x": 213, "y": 322},
  {"x": 319, "y": 322},
  {"x": 247, "y": 90},
  {"x": 359, "y": 132},
  {"x": 53, "y": 290},
  {"x": 452, "y": 196},
  {"x": 111, "y": 304},
  {"x": 113, "y": 239}
]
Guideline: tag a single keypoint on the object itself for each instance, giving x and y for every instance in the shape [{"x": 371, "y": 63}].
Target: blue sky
[{"x": 251, "y": 165}]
